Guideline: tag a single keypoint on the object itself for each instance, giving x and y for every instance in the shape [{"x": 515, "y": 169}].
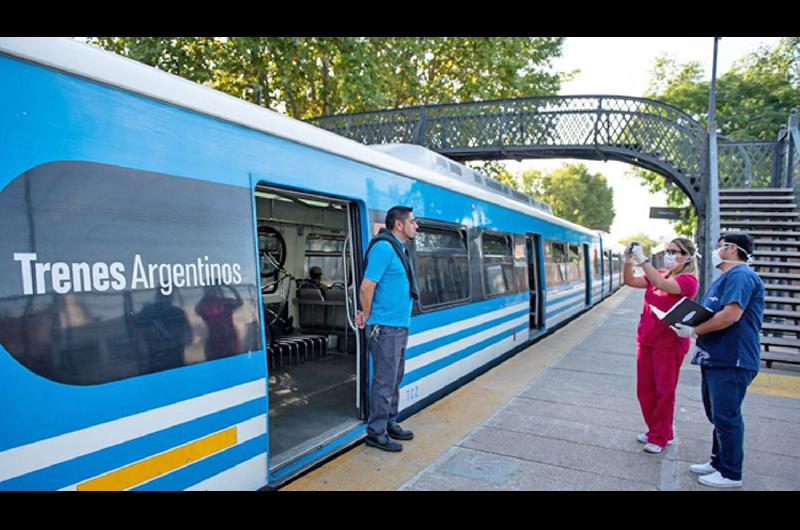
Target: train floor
[
  {"x": 563, "y": 415},
  {"x": 310, "y": 402}
]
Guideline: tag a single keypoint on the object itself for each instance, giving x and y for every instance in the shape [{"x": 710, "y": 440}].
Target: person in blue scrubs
[
  {"x": 729, "y": 354},
  {"x": 387, "y": 294}
]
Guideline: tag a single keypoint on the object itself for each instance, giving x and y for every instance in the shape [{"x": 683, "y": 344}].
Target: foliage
[
  {"x": 313, "y": 76},
  {"x": 573, "y": 193},
  {"x": 647, "y": 243},
  {"x": 753, "y": 100}
]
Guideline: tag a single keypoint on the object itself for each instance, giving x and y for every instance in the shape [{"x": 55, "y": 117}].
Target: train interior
[{"x": 312, "y": 350}]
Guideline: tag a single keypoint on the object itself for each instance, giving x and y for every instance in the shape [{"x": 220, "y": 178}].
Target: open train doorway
[{"x": 309, "y": 280}]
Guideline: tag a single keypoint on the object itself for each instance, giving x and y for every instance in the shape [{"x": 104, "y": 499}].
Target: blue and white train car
[{"x": 155, "y": 329}]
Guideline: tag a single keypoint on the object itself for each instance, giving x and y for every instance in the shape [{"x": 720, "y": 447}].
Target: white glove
[
  {"x": 627, "y": 256},
  {"x": 682, "y": 330},
  {"x": 638, "y": 254}
]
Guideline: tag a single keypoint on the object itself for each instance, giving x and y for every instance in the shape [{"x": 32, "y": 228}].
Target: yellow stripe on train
[{"x": 140, "y": 472}]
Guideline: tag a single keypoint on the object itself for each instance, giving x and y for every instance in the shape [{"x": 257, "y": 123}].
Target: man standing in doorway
[{"x": 387, "y": 294}]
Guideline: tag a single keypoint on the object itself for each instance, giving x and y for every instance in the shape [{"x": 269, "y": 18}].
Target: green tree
[
  {"x": 313, "y": 76},
  {"x": 572, "y": 192},
  {"x": 754, "y": 99},
  {"x": 647, "y": 243}
]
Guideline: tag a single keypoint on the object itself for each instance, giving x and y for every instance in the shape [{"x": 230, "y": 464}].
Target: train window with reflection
[
  {"x": 555, "y": 263},
  {"x": 113, "y": 273},
  {"x": 441, "y": 264},
  {"x": 498, "y": 263},
  {"x": 575, "y": 269}
]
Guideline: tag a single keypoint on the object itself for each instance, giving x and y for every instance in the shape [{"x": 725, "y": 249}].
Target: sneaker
[
  {"x": 702, "y": 469},
  {"x": 653, "y": 448},
  {"x": 383, "y": 442},
  {"x": 716, "y": 480},
  {"x": 643, "y": 439},
  {"x": 398, "y": 433}
]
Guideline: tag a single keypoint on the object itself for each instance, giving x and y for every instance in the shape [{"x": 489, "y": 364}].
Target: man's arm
[
  {"x": 729, "y": 316},
  {"x": 366, "y": 294}
]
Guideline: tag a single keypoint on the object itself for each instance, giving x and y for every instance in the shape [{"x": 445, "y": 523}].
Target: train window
[
  {"x": 118, "y": 272},
  {"x": 520, "y": 263},
  {"x": 498, "y": 263},
  {"x": 441, "y": 264},
  {"x": 575, "y": 270},
  {"x": 556, "y": 260},
  {"x": 595, "y": 260},
  {"x": 325, "y": 252}
]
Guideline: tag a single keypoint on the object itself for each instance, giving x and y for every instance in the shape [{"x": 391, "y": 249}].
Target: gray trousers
[{"x": 387, "y": 345}]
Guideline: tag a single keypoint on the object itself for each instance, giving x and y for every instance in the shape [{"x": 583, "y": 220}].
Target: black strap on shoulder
[{"x": 385, "y": 235}]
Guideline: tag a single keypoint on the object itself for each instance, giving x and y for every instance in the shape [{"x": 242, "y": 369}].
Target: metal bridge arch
[{"x": 639, "y": 131}]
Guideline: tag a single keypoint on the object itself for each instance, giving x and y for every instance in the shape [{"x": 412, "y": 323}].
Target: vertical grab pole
[{"x": 350, "y": 318}]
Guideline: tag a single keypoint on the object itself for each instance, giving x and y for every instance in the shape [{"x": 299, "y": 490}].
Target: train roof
[
  {"x": 87, "y": 61},
  {"x": 422, "y": 156}
]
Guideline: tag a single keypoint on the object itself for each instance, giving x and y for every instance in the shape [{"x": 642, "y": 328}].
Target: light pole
[
  {"x": 257, "y": 88},
  {"x": 712, "y": 229}
]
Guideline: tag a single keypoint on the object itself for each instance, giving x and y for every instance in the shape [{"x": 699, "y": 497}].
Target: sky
[{"x": 622, "y": 66}]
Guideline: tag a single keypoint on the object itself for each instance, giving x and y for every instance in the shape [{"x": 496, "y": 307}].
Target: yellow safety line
[
  {"x": 776, "y": 385},
  {"x": 155, "y": 466}
]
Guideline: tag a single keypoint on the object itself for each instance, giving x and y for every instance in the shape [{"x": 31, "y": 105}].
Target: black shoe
[
  {"x": 383, "y": 442},
  {"x": 398, "y": 433}
]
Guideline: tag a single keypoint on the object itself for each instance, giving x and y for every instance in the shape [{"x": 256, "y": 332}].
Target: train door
[
  {"x": 309, "y": 278},
  {"x": 587, "y": 272},
  {"x": 534, "y": 281},
  {"x": 609, "y": 271}
]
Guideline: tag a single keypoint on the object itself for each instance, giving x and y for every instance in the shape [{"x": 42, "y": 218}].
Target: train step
[
  {"x": 769, "y": 286},
  {"x": 764, "y": 223},
  {"x": 779, "y": 275},
  {"x": 788, "y": 300},
  {"x": 771, "y": 233},
  {"x": 770, "y": 357},
  {"x": 775, "y": 327},
  {"x": 776, "y": 264},
  {"x": 757, "y": 207},
  {"x": 791, "y": 315},
  {"x": 756, "y": 191},
  {"x": 775, "y": 243},
  {"x": 776, "y": 253},
  {"x": 756, "y": 215}
]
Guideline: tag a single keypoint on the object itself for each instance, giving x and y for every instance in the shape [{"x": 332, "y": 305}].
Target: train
[{"x": 157, "y": 327}]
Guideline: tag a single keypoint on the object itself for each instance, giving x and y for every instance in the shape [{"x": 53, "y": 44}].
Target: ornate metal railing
[{"x": 639, "y": 131}]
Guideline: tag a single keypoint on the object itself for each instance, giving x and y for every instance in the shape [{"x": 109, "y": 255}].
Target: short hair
[
  {"x": 741, "y": 239},
  {"x": 315, "y": 272},
  {"x": 396, "y": 213}
]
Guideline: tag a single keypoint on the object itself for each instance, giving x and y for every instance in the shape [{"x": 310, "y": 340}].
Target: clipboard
[{"x": 685, "y": 311}]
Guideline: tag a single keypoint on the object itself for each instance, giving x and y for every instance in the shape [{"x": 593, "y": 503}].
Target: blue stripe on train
[
  {"x": 85, "y": 467},
  {"x": 447, "y": 339},
  {"x": 437, "y": 365},
  {"x": 427, "y": 321}
]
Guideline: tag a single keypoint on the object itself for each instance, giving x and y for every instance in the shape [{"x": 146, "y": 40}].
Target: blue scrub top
[
  {"x": 737, "y": 346},
  {"x": 392, "y": 304}
]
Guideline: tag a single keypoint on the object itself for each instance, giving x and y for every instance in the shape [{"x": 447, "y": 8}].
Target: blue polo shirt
[
  {"x": 737, "y": 346},
  {"x": 392, "y": 304}
]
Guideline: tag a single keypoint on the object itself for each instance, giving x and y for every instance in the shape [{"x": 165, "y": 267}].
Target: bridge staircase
[{"x": 771, "y": 217}]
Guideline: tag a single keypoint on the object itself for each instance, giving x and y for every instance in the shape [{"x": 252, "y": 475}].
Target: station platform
[{"x": 563, "y": 415}]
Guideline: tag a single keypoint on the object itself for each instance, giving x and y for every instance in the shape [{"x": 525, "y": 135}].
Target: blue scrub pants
[{"x": 723, "y": 392}]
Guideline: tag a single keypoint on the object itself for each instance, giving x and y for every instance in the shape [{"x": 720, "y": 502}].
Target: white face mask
[
  {"x": 670, "y": 262},
  {"x": 717, "y": 260}
]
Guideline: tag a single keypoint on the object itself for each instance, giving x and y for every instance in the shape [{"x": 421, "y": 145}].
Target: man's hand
[
  {"x": 682, "y": 330},
  {"x": 361, "y": 319},
  {"x": 638, "y": 254}
]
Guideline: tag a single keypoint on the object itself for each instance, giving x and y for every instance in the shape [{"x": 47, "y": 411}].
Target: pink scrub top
[{"x": 651, "y": 330}]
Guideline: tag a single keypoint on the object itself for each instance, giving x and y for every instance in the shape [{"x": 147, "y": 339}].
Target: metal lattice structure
[{"x": 639, "y": 131}]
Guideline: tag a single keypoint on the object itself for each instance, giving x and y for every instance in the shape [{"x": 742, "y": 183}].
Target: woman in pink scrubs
[{"x": 660, "y": 351}]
